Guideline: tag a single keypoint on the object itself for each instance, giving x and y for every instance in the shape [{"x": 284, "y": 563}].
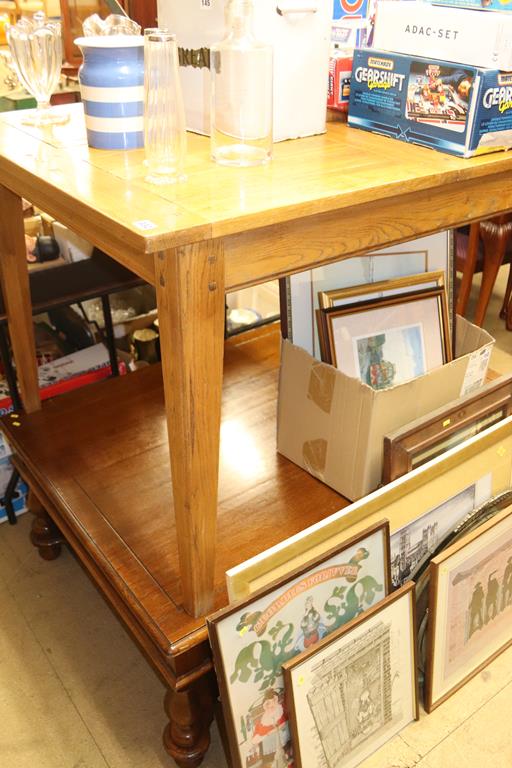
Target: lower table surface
[{"x": 100, "y": 458}]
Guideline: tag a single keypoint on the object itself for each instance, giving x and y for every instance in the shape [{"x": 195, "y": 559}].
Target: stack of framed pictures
[
  {"x": 386, "y": 333},
  {"x": 319, "y": 666}
]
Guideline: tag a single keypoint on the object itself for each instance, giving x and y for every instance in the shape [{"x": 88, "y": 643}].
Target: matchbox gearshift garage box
[{"x": 454, "y": 108}]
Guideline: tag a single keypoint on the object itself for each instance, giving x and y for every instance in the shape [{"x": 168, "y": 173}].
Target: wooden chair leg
[
  {"x": 494, "y": 237},
  {"x": 504, "y": 311},
  {"x": 469, "y": 269}
]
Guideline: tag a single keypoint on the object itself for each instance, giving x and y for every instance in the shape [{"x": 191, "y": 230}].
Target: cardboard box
[
  {"x": 450, "y": 34},
  {"x": 333, "y": 425},
  {"x": 458, "y": 109},
  {"x": 19, "y": 500},
  {"x": 301, "y": 58}
]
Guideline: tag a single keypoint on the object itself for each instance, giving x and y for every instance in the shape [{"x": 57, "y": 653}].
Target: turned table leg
[
  {"x": 190, "y": 712},
  {"x": 44, "y": 533},
  {"x": 190, "y": 293}
]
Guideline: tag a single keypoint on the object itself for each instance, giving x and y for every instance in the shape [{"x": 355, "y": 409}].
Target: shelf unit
[{"x": 98, "y": 459}]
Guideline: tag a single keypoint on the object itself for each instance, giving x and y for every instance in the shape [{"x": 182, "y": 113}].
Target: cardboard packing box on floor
[{"x": 333, "y": 425}]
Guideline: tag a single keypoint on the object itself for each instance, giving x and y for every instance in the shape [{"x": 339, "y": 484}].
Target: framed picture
[
  {"x": 356, "y": 689},
  {"x": 415, "y": 543},
  {"x": 470, "y": 607},
  {"x": 401, "y": 502},
  {"x": 300, "y": 295},
  {"x": 388, "y": 341},
  {"x": 337, "y": 297},
  {"x": 428, "y": 437},
  {"x": 253, "y": 638}
]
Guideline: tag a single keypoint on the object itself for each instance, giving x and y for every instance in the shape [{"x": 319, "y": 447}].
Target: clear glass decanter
[{"x": 241, "y": 99}]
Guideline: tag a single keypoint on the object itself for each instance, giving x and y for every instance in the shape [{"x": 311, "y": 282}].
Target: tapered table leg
[
  {"x": 190, "y": 295},
  {"x": 16, "y": 292}
]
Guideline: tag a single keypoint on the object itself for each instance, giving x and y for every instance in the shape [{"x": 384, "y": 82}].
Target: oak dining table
[{"x": 161, "y": 480}]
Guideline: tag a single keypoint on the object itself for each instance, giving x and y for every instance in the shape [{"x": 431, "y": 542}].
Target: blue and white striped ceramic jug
[{"x": 112, "y": 88}]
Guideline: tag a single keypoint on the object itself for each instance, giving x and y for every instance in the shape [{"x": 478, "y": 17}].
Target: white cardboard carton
[
  {"x": 333, "y": 425},
  {"x": 462, "y": 35},
  {"x": 300, "y": 33}
]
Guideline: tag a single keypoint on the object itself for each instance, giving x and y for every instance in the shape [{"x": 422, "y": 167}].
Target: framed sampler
[
  {"x": 463, "y": 477},
  {"x": 356, "y": 689},
  {"x": 300, "y": 294},
  {"x": 254, "y": 637},
  {"x": 470, "y": 607},
  {"x": 424, "y": 439}
]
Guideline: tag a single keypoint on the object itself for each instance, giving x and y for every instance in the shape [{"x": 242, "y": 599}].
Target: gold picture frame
[
  {"x": 470, "y": 607},
  {"x": 401, "y": 502},
  {"x": 394, "y": 286},
  {"x": 357, "y": 688}
]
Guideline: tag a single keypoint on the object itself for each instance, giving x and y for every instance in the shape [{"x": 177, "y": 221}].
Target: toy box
[
  {"x": 458, "y": 109},
  {"x": 340, "y": 69},
  {"x": 19, "y": 501},
  {"x": 453, "y": 34},
  {"x": 482, "y": 5}
]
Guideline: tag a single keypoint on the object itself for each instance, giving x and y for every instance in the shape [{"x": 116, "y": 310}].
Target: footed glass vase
[{"x": 36, "y": 49}]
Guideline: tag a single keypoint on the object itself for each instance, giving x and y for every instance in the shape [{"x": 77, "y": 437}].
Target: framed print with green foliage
[
  {"x": 470, "y": 607},
  {"x": 357, "y": 688},
  {"x": 483, "y": 461},
  {"x": 253, "y": 638}
]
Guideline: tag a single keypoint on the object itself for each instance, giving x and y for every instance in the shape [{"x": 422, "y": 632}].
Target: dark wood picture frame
[
  {"x": 423, "y": 439},
  {"x": 281, "y": 585},
  {"x": 326, "y": 318},
  {"x": 294, "y": 668},
  {"x": 439, "y": 574}
]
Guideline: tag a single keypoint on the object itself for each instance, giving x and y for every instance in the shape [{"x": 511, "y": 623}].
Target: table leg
[
  {"x": 190, "y": 296},
  {"x": 190, "y": 712},
  {"x": 16, "y": 292}
]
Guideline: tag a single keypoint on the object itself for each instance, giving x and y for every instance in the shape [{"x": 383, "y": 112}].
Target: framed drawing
[
  {"x": 387, "y": 341},
  {"x": 356, "y": 689},
  {"x": 428, "y": 437},
  {"x": 253, "y": 638},
  {"x": 337, "y": 297},
  {"x": 470, "y": 607},
  {"x": 300, "y": 300},
  {"x": 401, "y": 502}
]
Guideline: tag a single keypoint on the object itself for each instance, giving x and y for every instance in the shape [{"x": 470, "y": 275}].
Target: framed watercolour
[
  {"x": 300, "y": 300},
  {"x": 337, "y": 297},
  {"x": 428, "y": 437},
  {"x": 253, "y": 638},
  {"x": 470, "y": 607},
  {"x": 401, "y": 502},
  {"x": 387, "y": 341},
  {"x": 355, "y": 689}
]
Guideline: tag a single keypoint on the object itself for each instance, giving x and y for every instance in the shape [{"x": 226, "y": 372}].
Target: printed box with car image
[
  {"x": 333, "y": 425},
  {"x": 459, "y": 109}
]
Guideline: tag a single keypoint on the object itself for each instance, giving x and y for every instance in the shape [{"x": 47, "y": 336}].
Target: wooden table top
[{"x": 104, "y": 196}]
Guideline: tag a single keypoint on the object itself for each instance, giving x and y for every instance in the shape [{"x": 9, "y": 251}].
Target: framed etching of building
[
  {"x": 470, "y": 607},
  {"x": 253, "y": 638},
  {"x": 356, "y": 689}
]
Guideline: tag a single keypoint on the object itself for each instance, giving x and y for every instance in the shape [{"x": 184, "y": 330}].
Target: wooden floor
[{"x": 76, "y": 693}]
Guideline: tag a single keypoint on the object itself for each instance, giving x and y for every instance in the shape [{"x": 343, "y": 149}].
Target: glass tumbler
[
  {"x": 36, "y": 49},
  {"x": 164, "y": 113}
]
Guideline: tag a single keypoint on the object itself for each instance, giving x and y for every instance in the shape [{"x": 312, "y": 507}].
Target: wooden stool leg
[
  {"x": 44, "y": 533},
  {"x": 495, "y": 237},
  {"x": 190, "y": 713}
]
